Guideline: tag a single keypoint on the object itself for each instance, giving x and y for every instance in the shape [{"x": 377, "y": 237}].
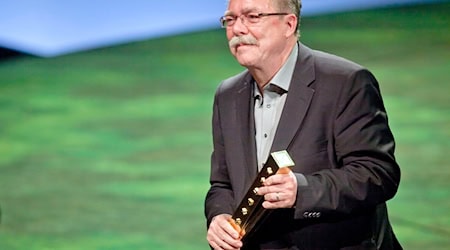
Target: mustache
[{"x": 242, "y": 40}]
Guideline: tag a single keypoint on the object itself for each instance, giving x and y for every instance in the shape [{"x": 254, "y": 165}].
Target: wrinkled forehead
[{"x": 247, "y": 6}]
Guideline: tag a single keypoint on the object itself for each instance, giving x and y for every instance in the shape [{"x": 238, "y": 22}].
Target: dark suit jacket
[{"x": 335, "y": 128}]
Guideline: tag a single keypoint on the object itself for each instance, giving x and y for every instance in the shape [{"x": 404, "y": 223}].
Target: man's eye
[
  {"x": 253, "y": 17},
  {"x": 229, "y": 19}
]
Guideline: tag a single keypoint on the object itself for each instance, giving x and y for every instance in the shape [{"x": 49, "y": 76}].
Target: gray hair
[
  {"x": 293, "y": 7},
  {"x": 290, "y": 6}
]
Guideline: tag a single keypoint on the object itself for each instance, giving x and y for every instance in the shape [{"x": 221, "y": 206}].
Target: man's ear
[{"x": 291, "y": 22}]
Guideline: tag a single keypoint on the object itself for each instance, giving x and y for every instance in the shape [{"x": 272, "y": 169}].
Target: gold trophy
[{"x": 250, "y": 210}]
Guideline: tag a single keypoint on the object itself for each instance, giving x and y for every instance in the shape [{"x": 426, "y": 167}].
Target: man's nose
[{"x": 239, "y": 27}]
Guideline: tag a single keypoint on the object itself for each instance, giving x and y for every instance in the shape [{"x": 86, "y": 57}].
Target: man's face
[{"x": 269, "y": 33}]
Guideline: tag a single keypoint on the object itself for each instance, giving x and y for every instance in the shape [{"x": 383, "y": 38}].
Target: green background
[{"x": 109, "y": 149}]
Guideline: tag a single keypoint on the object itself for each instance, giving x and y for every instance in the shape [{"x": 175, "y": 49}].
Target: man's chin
[
  {"x": 244, "y": 55},
  {"x": 244, "y": 51},
  {"x": 245, "y": 62}
]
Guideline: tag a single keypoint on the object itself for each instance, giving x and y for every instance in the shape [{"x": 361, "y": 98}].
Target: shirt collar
[{"x": 282, "y": 80}]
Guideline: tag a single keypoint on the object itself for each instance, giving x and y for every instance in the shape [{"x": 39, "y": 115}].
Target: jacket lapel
[
  {"x": 297, "y": 102},
  {"x": 245, "y": 115}
]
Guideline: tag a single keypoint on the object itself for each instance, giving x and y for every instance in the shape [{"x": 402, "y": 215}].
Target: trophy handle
[
  {"x": 236, "y": 227},
  {"x": 250, "y": 211}
]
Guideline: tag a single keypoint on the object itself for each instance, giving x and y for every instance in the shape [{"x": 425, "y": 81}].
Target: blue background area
[{"x": 55, "y": 27}]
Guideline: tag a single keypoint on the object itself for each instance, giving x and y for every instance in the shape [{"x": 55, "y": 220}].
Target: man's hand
[
  {"x": 279, "y": 190},
  {"x": 222, "y": 235}
]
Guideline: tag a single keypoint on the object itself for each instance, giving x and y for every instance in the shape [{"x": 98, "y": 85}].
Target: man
[{"x": 328, "y": 114}]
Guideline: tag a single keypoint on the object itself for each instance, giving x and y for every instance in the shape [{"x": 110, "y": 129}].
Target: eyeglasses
[{"x": 249, "y": 18}]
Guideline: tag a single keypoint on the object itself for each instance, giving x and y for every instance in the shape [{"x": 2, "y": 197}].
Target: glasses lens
[
  {"x": 227, "y": 21},
  {"x": 252, "y": 18}
]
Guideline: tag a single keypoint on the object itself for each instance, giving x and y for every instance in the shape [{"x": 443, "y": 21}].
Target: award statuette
[{"x": 250, "y": 210}]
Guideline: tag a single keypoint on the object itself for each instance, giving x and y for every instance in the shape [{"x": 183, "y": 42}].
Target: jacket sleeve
[
  {"x": 219, "y": 198},
  {"x": 364, "y": 172}
]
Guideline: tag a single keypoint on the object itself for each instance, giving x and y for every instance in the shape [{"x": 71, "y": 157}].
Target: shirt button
[
  {"x": 269, "y": 106},
  {"x": 265, "y": 135}
]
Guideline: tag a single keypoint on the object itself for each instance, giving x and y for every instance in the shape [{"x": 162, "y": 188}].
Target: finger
[
  {"x": 231, "y": 242},
  {"x": 223, "y": 244},
  {"x": 276, "y": 179},
  {"x": 284, "y": 171},
  {"x": 213, "y": 239},
  {"x": 221, "y": 235},
  {"x": 241, "y": 231},
  {"x": 279, "y": 200},
  {"x": 231, "y": 229},
  {"x": 230, "y": 234},
  {"x": 219, "y": 239},
  {"x": 276, "y": 200},
  {"x": 226, "y": 241},
  {"x": 271, "y": 180},
  {"x": 214, "y": 245},
  {"x": 274, "y": 188},
  {"x": 272, "y": 205},
  {"x": 272, "y": 197}
]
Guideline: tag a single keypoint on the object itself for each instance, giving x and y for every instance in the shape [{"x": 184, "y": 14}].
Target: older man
[{"x": 326, "y": 112}]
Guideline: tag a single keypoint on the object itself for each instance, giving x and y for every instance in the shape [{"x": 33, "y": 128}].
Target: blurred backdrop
[
  {"x": 105, "y": 111},
  {"x": 52, "y": 27}
]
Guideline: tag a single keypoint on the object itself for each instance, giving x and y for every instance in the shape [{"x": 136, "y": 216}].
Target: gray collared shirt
[{"x": 269, "y": 106}]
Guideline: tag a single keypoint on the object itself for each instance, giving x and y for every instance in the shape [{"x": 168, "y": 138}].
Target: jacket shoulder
[
  {"x": 234, "y": 82},
  {"x": 326, "y": 62}
]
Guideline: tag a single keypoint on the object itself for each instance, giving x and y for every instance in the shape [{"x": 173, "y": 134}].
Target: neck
[{"x": 265, "y": 72}]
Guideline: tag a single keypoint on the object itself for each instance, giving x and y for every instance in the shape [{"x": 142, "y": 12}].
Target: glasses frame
[{"x": 245, "y": 18}]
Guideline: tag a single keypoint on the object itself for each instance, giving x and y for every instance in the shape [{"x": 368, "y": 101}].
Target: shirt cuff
[{"x": 301, "y": 180}]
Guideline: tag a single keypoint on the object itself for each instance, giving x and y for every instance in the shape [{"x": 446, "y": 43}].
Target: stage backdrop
[{"x": 53, "y": 27}]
